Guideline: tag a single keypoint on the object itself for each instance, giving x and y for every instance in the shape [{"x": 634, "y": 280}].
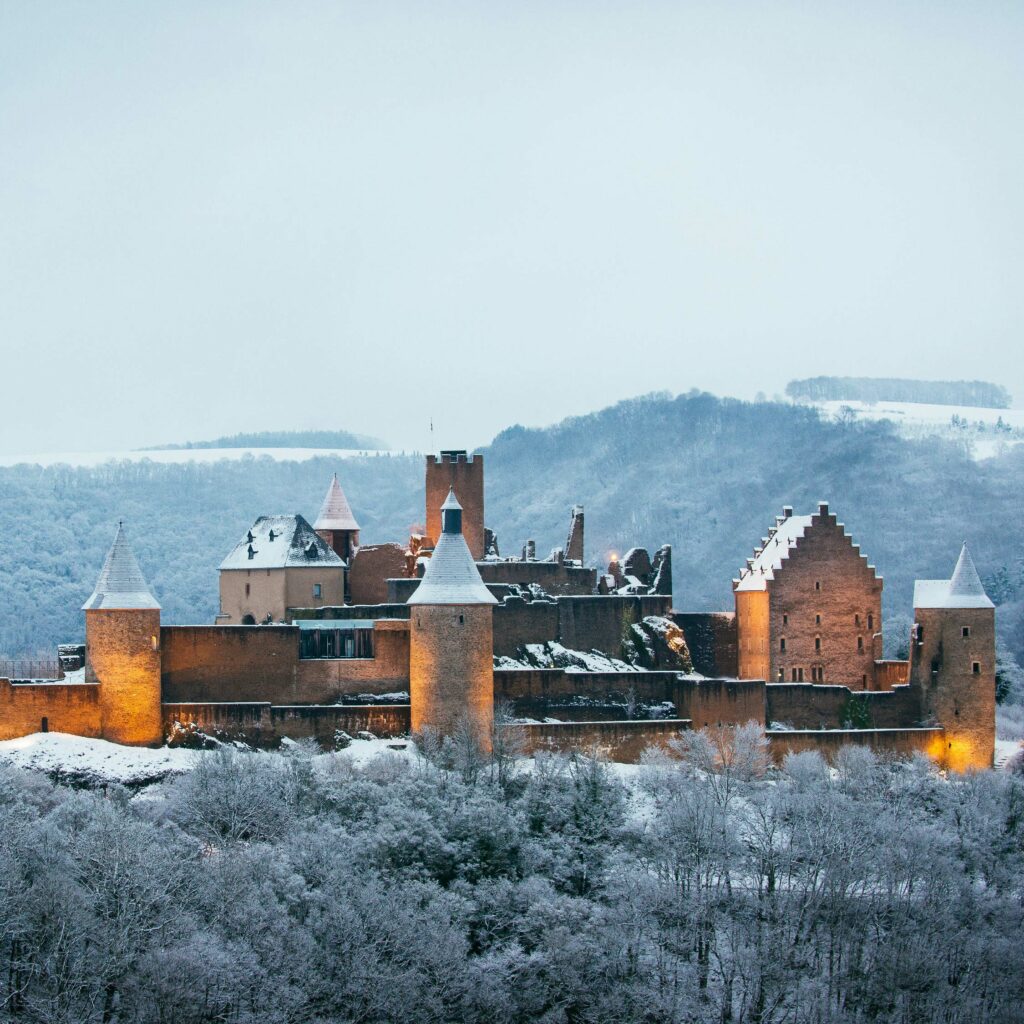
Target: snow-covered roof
[
  {"x": 769, "y": 558},
  {"x": 280, "y": 542},
  {"x": 121, "y": 584},
  {"x": 963, "y": 589},
  {"x": 335, "y": 512},
  {"x": 451, "y": 575}
]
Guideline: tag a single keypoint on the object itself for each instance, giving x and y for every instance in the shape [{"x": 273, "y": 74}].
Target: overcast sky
[{"x": 239, "y": 216}]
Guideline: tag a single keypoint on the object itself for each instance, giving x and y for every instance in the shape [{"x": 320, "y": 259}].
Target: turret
[
  {"x": 122, "y": 649},
  {"x": 336, "y": 525},
  {"x": 953, "y": 663},
  {"x": 451, "y": 643}
]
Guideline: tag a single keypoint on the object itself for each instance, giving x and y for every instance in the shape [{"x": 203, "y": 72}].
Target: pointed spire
[
  {"x": 121, "y": 584},
  {"x": 335, "y": 513},
  {"x": 965, "y": 581},
  {"x": 451, "y": 575}
]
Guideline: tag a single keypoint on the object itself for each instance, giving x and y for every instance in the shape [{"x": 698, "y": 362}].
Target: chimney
[{"x": 787, "y": 511}]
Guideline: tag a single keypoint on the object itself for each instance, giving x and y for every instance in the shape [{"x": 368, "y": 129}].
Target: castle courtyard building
[{"x": 280, "y": 563}]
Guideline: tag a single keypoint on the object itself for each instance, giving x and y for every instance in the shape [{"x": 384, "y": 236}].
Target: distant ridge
[
  {"x": 283, "y": 439},
  {"x": 976, "y": 393}
]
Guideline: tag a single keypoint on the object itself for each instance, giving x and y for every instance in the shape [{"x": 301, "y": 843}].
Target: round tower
[
  {"x": 122, "y": 649},
  {"x": 451, "y": 642}
]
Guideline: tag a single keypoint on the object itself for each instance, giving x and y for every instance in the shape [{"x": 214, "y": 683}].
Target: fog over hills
[{"x": 702, "y": 473}]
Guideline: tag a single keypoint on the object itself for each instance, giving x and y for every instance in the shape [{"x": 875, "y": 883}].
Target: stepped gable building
[
  {"x": 952, "y": 661},
  {"x": 809, "y": 606},
  {"x": 281, "y": 562},
  {"x": 451, "y": 638}
]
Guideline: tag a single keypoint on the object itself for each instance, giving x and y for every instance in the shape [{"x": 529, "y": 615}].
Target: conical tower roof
[
  {"x": 335, "y": 513},
  {"x": 121, "y": 584},
  {"x": 963, "y": 590},
  {"x": 965, "y": 581},
  {"x": 451, "y": 576}
]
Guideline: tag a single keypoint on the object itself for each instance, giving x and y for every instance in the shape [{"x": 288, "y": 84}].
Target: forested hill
[{"x": 704, "y": 474}]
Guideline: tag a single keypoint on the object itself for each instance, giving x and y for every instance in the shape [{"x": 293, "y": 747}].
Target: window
[
  {"x": 462, "y": 619},
  {"x": 342, "y": 638},
  {"x": 817, "y": 643},
  {"x": 864, "y": 681},
  {"x": 860, "y": 645},
  {"x": 871, "y": 621},
  {"x": 817, "y": 619},
  {"x": 794, "y": 675},
  {"x": 817, "y": 674},
  {"x": 800, "y": 675},
  {"x": 44, "y": 725},
  {"x": 317, "y": 590},
  {"x": 976, "y": 668},
  {"x": 782, "y": 645},
  {"x": 782, "y": 675},
  {"x": 966, "y": 631},
  {"x": 247, "y": 590},
  {"x": 856, "y": 619},
  {"x": 785, "y": 619},
  {"x": 817, "y": 584}
]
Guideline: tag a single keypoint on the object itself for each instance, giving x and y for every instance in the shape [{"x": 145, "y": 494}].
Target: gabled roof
[
  {"x": 451, "y": 575},
  {"x": 963, "y": 589},
  {"x": 281, "y": 542},
  {"x": 121, "y": 584},
  {"x": 335, "y": 512},
  {"x": 768, "y": 559}
]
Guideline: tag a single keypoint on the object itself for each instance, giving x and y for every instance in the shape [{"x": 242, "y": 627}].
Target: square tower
[{"x": 457, "y": 471}]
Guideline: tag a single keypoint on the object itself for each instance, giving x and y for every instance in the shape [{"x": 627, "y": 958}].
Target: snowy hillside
[
  {"x": 985, "y": 432},
  {"x": 181, "y": 456}
]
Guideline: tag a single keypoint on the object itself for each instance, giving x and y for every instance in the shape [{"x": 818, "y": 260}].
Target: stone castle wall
[
  {"x": 26, "y": 708},
  {"x": 811, "y": 706},
  {"x": 265, "y": 725},
  {"x": 261, "y": 663},
  {"x": 828, "y": 743},
  {"x": 371, "y": 568}
]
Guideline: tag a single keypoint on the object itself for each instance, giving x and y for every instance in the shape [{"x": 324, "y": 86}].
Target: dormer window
[
  {"x": 272, "y": 534},
  {"x": 249, "y": 537},
  {"x": 252, "y": 551}
]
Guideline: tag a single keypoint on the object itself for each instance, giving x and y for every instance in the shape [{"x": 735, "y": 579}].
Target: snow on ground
[
  {"x": 77, "y": 759},
  {"x": 989, "y": 432},
  {"x": 175, "y": 456}
]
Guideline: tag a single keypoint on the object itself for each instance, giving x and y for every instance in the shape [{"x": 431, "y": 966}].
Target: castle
[{"x": 322, "y": 636}]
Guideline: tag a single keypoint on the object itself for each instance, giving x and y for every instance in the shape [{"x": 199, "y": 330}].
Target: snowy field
[
  {"x": 989, "y": 432},
  {"x": 177, "y": 456}
]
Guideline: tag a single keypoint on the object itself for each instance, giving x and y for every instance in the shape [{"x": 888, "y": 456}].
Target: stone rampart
[
  {"x": 262, "y": 724},
  {"x": 813, "y": 706},
  {"x": 622, "y": 741},
  {"x": 26, "y": 708},
  {"x": 828, "y": 742}
]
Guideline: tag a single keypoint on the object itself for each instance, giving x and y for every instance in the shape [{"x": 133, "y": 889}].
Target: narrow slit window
[
  {"x": 860, "y": 645},
  {"x": 871, "y": 621},
  {"x": 782, "y": 645},
  {"x": 976, "y": 668},
  {"x": 817, "y": 643}
]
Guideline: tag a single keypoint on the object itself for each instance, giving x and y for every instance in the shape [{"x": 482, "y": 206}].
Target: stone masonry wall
[
  {"x": 622, "y": 741},
  {"x": 892, "y": 742},
  {"x": 66, "y": 707},
  {"x": 810, "y": 706},
  {"x": 265, "y": 725},
  {"x": 371, "y": 568}
]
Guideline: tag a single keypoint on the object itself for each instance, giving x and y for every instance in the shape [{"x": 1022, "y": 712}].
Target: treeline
[
  {"x": 277, "y": 888},
  {"x": 286, "y": 439},
  {"x": 978, "y": 393}
]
